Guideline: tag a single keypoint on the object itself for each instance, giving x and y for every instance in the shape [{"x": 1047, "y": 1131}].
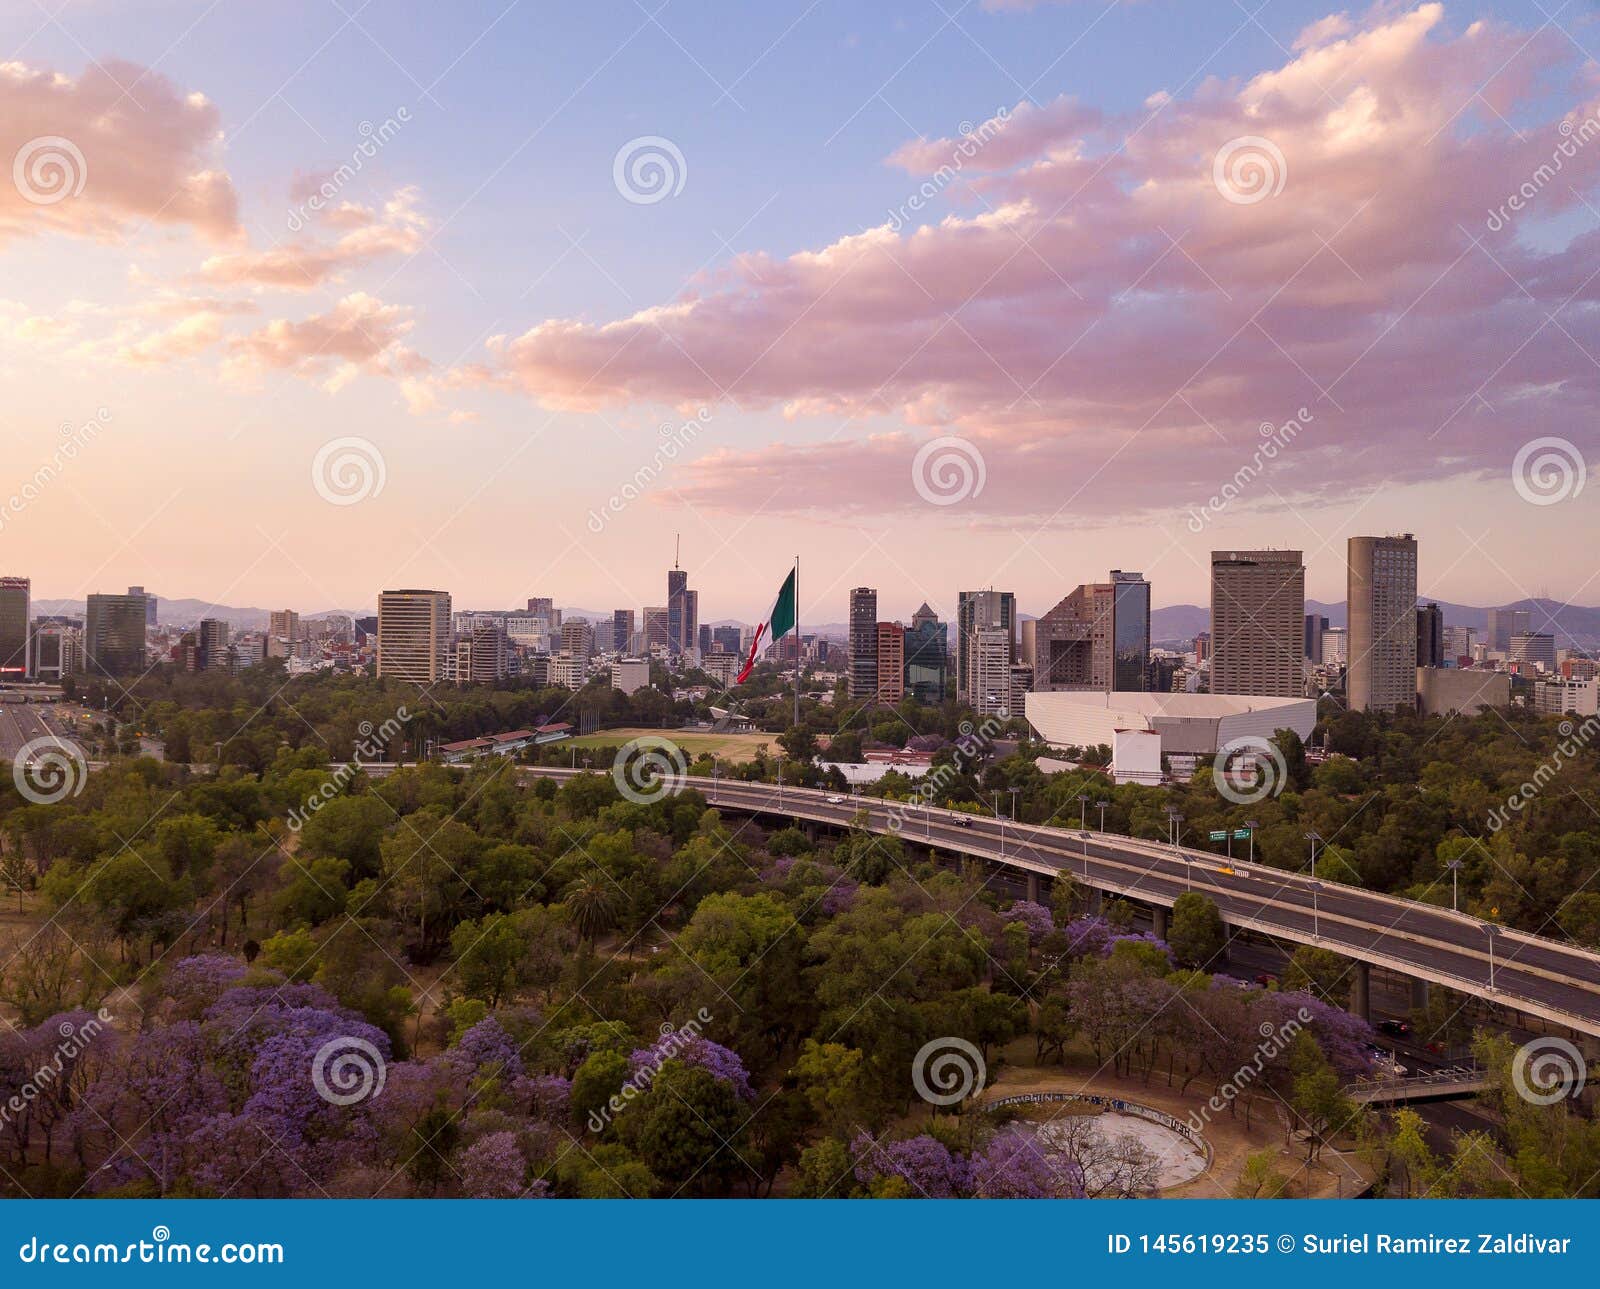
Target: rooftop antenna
[{"x": 677, "y": 542}]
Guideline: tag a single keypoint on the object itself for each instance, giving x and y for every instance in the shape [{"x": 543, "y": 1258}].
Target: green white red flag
[{"x": 779, "y": 623}]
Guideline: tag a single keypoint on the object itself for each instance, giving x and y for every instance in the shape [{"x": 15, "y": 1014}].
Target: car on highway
[
  {"x": 836, "y": 801},
  {"x": 1266, "y": 980},
  {"x": 1395, "y": 1028}
]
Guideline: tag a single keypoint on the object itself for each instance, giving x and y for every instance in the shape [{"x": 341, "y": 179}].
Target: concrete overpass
[{"x": 1543, "y": 979}]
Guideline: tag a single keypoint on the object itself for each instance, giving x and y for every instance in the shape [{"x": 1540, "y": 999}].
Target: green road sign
[
  {"x": 1220, "y": 836},
  {"x": 1239, "y": 834}
]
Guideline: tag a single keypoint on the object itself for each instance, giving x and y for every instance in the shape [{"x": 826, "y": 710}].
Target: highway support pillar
[
  {"x": 1097, "y": 902},
  {"x": 1361, "y": 991},
  {"x": 1033, "y": 887},
  {"x": 1419, "y": 995},
  {"x": 811, "y": 831},
  {"x": 1158, "y": 914}
]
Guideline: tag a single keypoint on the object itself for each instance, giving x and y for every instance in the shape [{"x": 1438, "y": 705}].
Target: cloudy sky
[{"x": 304, "y": 299}]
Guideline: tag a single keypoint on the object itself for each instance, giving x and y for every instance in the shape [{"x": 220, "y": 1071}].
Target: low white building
[
  {"x": 1183, "y": 724},
  {"x": 630, "y": 674},
  {"x": 1559, "y": 697}
]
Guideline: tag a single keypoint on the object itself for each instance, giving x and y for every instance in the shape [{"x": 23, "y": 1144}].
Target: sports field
[{"x": 730, "y": 747}]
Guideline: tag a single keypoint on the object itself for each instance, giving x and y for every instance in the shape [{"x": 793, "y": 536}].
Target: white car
[{"x": 836, "y": 801}]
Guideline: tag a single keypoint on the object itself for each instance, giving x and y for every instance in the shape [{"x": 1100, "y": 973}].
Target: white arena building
[{"x": 1141, "y": 727}]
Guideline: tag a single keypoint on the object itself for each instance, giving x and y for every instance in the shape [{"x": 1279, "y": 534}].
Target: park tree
[{"x": 1196, "y": 931}]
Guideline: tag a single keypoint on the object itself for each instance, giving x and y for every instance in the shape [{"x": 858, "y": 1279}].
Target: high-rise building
[
  {"x": 1098, "y": 637},
  {"x": 114, "y": 635},
  {"x": 1430, "y": 636},
  {"x": 1258, "y": 611},
  {"x": 577, "y": 638},
  {"x": 704, "y": 642},
  {"x": 284, "y": 623},
  {"x": 1459, "y": 643},
  {"x": 975, "y": 611},
  {"x": 726, "y": 639},
  {"x": 1382, "y": 607},
  {"x": 1534, "y": 649},
  {"x": 1202, "y": 647},
  {"x": 414, "y": 636},
  {"x": 149, "y": 607},
  {"x": 863, "y": 643},
  {"x": 211, "y": 643},
  {"x": 56, "y": 646},
  {"x": 485, "y": 655},
  {"x": 16, "y": 628},
  {"x": 1316, "y": 624},
  {"x": 683, "y": 612},
  {"x": 891, "y": 662},
  {"x": 989, "y": 667},
  {"x": 655, "y": 628},
  {"x": 1335, "y": 647},
  {"x": 622, "y": 631},
  {"x": 927, "y": 657},
  {"x": 542, "y": 606},
  {"x": 1502, "y": 625}
]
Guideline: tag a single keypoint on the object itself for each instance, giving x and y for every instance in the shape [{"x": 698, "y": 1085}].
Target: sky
[{"x": 303, "y": 300}]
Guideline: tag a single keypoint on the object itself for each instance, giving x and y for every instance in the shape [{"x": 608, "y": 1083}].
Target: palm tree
[{"x": 592, "y": 908}]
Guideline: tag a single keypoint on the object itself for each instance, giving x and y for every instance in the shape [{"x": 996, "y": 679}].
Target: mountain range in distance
[{"x": 1175, "y": 624}]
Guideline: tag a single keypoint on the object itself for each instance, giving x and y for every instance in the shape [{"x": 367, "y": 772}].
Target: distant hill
[{"x": 184, "y": 612}]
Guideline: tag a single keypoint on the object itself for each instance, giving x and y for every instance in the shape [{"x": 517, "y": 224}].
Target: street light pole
[
  {"x": 1454, "y": 866},
  {"x": 1083, "y": 809},
  {"x": 1101, "y": 806},
  {"x": 1491, "y": 930},
  {"x": 1316, "y": 926},
  {"x": 1252, "y": 825},
  {"x": 1013, "y": 792}
]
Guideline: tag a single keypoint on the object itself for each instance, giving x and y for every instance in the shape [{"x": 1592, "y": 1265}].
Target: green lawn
[{"x": 730, "y": 747}]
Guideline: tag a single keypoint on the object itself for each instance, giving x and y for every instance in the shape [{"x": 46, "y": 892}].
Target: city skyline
[{"x": 966, "y": 317}]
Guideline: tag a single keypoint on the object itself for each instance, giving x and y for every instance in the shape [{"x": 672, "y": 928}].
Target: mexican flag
[{"x": 780, "y": 622}]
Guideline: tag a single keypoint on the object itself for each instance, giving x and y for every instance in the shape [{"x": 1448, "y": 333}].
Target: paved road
[
  {"x": 20, "y": 722},
  {"x": 1545, "y": 978}
]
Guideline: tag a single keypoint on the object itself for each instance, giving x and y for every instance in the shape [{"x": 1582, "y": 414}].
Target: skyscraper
[
  {"x": 891, "y": 662},
  {"x": 683, "y": 612},
  {"x": 621, "y": 630},
  {"x": 114, "y": 634},
  {"x": 211, "y": 642},
  {"x": 1316, "y": 624},
  {"x": 1502, "y": 625},
  {"x": 927, "y": 653},
  {"x": 149, "y": 607},
  {"x": 1258, "y": 610},
  {"x": 863, "y": 668},
  {"x": 1098, "y": 637},
  {"x": 981, "y": 610},
  {"x": 414, "y": 636},
  {"x": 1533, "y": 648},
  {"x": 1382, "y": 605},
  {"x": 577, "y": 638},
  {"x": 284, "y": 623},
  {"x": 486, "y": 651},
  {"x": 1430, "y": 636},
  {"x": 16, "y": 659},
  {"x": 1130, "y": 632},
  {"x": 655, "y": 627}
]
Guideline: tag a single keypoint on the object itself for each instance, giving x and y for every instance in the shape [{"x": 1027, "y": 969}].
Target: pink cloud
[
  {"x": 359, "y": 334},
  {"x": 1113, "y": 323},
  {"x": 117, "y": 147}
]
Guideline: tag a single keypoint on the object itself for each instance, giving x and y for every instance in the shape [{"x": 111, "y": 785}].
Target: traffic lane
[
  {"x": 1114, "y": 866},
  {"x": 20, "y": 723}
]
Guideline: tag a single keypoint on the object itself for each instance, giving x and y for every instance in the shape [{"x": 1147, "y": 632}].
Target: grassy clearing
[{"x": 730, "y": 747}]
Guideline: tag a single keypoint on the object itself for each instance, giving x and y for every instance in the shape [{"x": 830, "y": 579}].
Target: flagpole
[{"x": 797, "y": 640}]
